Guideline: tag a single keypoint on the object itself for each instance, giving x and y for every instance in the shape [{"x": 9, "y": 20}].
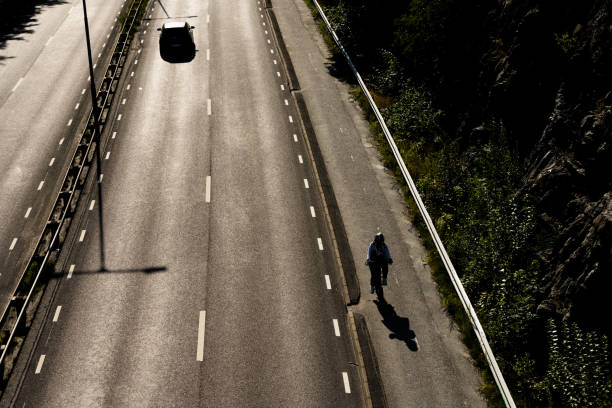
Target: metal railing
[
  {"x": 465, "y": 301},
  {"x": 53, "y": 235}
]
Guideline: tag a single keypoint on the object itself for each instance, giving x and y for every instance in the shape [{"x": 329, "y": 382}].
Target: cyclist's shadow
[{"x": 399, "y": 326}]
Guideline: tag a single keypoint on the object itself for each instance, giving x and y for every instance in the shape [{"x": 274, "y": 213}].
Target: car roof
[{"x": 176, "y": 24}]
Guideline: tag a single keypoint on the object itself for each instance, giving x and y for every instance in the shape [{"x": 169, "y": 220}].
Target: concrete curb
[
  {"x": 280, "y": 44},
  {"x": 370, "y": 363}
]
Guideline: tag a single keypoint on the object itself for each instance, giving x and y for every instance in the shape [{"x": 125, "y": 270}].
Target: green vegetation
[{"x": 469, "y": 184}]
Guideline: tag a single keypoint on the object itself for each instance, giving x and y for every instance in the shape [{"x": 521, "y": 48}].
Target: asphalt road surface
[
  {"x": 218, "y": 288},
  {"x": 43, "y": 97}
]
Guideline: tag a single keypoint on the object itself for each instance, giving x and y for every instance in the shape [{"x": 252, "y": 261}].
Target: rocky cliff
[{"x": 548, "y": 74}]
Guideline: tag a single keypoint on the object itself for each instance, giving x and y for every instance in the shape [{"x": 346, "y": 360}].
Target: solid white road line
[
  {"x": 52, "y": 161},
  {"x": 201, "y": 328},
  {"x": 320, "y": 242},
  {"x": 208, "y": 189},
  {"x": 107, "y": 155},
  {"x": 41, "y": 360},
  {"x": 347, "y": 386},
  {"x": 306, "y": 183},
  {"x": 27, "y": 214},
  {"x": 300, "y": 159},
  {"x": 17, "y": 84},
  {"x": 82, "y": 237},
  {"x": 312, "y": 211},
  {"x": 92, "y": 204},
  {"x": 57, "y": 313},
  {"x": 13, "y": 244},
  {"x": 209, "y": 107},
  {"x": 40, "y": 185},
  {"x": 327, "y": 282},
  {"x": 336, "y": 328},
  {"x": 70, "y": 271},
  {"x": 295, "y": 139}
]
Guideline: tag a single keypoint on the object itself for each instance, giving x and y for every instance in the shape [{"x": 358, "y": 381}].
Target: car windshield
[{"x": 176, "y": 34}]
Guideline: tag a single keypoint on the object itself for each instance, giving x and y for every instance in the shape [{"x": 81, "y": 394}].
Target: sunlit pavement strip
[
  {"x": 41, "y": 360},
  {"x": 327, "y": 282},
  {"x": 70, "y": 271},
  {"x": 347, "y": 386},
  {"x": 336, "y": 327},
  {"x": 201, "y": 328},
  {"x": 57, "y": 313}
]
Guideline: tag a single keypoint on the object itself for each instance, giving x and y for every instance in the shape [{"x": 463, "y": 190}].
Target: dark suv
[{"x": 176, "y": 42}]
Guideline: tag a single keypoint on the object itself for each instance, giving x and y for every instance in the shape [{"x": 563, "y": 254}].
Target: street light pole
[{"x": 97, "y": 133}]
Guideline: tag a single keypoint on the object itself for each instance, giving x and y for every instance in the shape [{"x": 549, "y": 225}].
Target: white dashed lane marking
[
  {"x": 51, "y": 162},
  {"x": 306, "y": 183},
  {"x": 312, "y": 212},
  {"x": 320, "y": 242},
  {"x": 70, "y": 271},
  {"x": 69, "y": 122},
  {"x": 295, "y": 139},
  {"x": 76, "y": 106},
  {"x": 82, "y": 237},
  {"x": 83, "y": 91},
  {"x": 327, "y": 282},
  {"x": 114, "y": 135},
  {"x": 347, "y": 386},
  {"x": 208, "y": 189},
  {"x": 286, "y": 102},
  {"x": 92, "y": 204},
  {"x": 61, "y": 141},
  {"x": 17, "y": 85},
  {"x": 209, "y": 107},
  {"x": 201, "y": 329},
  {"x": 119, "y": 117},
  {"x": 41, "y": 360},
  {"x": 40, "y": 185},
  {"x": 27, "y": 214},
  {"x": 13, "y": 243},
  {"x": 107, "y": 155},
  {"x": 290, "y": 119},
  {"x": 300, "y": 159},
  {"x": 57, "y": 313},
  {"x": 336, "y": 328}
]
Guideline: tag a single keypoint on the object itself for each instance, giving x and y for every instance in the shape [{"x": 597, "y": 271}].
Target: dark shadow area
[
  {"x": 399, "y": 326},
  {"x": 18, "y": 17},
  {"x": 177, "y": 56},
  {"x": 152, "y": 269}
]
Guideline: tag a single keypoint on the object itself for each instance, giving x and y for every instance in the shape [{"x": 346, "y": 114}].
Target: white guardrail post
[{"x": 467, "y": 305}]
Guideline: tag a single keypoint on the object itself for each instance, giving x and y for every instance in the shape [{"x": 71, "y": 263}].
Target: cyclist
[{"x": 378, "y": 260}]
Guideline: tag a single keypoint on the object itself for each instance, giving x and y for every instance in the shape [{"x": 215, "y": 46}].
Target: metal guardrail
[
  {"x": 465, "y": 301},
  {"x": 53, "y": 236}
]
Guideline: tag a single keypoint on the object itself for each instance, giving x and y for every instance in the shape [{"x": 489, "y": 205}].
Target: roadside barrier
[
  {"x": 13, "y": 323},
  {"x": 465, "y": 301}
]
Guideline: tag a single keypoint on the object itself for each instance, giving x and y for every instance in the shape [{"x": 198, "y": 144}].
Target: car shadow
[{"x": 399, "y": 326}]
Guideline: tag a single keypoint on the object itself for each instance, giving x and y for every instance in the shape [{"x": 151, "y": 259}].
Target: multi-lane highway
[
  {"x": 43, "y": 98},
  {"x": 219, "y": 287}
]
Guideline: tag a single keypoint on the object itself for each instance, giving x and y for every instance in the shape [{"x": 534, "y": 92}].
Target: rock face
[{"x": 548, "y": 75}]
